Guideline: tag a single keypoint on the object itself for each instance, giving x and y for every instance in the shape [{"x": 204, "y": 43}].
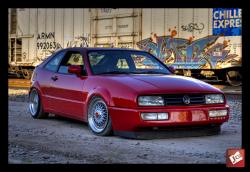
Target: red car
[{"x": 123, "y": 91}]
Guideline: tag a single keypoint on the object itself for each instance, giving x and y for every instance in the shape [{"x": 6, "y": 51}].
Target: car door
[
  {"x": 68, "y": 95},
  {"x": 45, "y": 81}
]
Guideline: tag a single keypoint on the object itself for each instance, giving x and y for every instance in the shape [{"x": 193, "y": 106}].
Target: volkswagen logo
[{"x": 186, "y": 100}]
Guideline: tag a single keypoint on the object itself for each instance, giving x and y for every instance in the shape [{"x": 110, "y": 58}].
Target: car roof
[{"x": 100, "y": 48}]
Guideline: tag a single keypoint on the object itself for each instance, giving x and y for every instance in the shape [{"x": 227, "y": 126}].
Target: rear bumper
[{"x": 124, "y": 119}]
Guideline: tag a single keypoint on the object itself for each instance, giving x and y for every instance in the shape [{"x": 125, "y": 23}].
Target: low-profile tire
[
  {"x": 35, "y": 105},
  {"x": 99, "y": 121}
]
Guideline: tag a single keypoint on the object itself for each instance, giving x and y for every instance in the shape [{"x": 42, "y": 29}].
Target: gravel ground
[{"x": 60, "y": 140}]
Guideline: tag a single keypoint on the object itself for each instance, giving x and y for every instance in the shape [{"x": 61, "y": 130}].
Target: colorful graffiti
[{"x": 183, "y": 53}]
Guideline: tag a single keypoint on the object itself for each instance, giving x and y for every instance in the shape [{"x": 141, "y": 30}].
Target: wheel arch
[
  {"x": 40, "y": 93},
  {"x": 97, "y": 92}
]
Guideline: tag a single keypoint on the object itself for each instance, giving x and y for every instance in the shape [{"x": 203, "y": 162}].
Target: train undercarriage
[
  {"x": 20, "y": 71},
  {"x": 231, "y": 76}
]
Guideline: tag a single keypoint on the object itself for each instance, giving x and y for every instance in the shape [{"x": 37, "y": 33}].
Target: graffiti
[
  {"x": 188, "y": 53},
  {"x": 79, "y": 41},
  {"x": 42, "y": 54},
  {"x": 193, "y": 26}
]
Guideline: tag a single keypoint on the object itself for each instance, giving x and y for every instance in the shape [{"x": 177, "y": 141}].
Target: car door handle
[{"x": 54, "y": 78}]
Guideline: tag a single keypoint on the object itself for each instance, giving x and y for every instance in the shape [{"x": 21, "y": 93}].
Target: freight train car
[{"x": 198, "y": 42}]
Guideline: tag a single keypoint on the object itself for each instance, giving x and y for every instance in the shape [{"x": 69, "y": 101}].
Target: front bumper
[{"x": 124, "y": 119}]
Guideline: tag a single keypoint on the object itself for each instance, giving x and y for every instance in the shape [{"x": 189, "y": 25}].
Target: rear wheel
[
  {"x": 99, "y": 120},
  {"x": 35, "y": 105}
]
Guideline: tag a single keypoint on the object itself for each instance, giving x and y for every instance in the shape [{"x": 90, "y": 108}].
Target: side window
[
  {"x": 53, "y": 64},
  {"x": 95, "y": 58},
  {"x": 71, "y": 58}
]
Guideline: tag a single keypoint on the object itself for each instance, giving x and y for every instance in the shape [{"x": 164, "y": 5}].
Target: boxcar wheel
[{"x": 26, "y": 74}]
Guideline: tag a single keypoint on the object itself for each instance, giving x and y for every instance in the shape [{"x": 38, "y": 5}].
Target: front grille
[{"x": 177, "y": 99}]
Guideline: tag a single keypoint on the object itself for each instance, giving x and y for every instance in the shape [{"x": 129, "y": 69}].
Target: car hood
[{"x": 164, "y": 84}]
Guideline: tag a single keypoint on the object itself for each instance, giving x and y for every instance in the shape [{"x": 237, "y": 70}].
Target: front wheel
[{"x": 99, "y": 120}]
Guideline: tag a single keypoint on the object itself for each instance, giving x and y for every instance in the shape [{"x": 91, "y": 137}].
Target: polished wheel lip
[
  {"x": 33, "y": 102},
  {"x": 98, "y": 116}
]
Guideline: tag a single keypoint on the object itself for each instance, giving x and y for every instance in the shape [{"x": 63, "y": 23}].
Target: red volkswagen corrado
[{"x": 123, "y": 91}]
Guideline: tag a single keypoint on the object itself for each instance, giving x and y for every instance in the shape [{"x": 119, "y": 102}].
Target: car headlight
[
  {"x": 151, "y": 101},
  {"x": 214, "y": 98}
]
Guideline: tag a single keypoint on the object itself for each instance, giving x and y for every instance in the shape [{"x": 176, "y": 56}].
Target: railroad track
[{"x": 19, "y": 83}]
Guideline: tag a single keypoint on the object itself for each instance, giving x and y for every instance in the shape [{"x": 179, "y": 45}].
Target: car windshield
[{"x": 125, "y": 62}]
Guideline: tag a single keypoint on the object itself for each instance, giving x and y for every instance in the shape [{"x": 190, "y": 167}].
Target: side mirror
[
  {"x": 172, "y": 69},
  {"x": 75, "y": 69}
]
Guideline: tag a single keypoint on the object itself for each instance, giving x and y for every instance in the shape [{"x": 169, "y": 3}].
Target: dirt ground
[{"x": 60, "y": 140}]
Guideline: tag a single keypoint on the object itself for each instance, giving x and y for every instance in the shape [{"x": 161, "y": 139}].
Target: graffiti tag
[
  {"x": 79, "y": 41},
  {"x": 193, "y": 26},
  {"x": 181, "y": 53}
]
